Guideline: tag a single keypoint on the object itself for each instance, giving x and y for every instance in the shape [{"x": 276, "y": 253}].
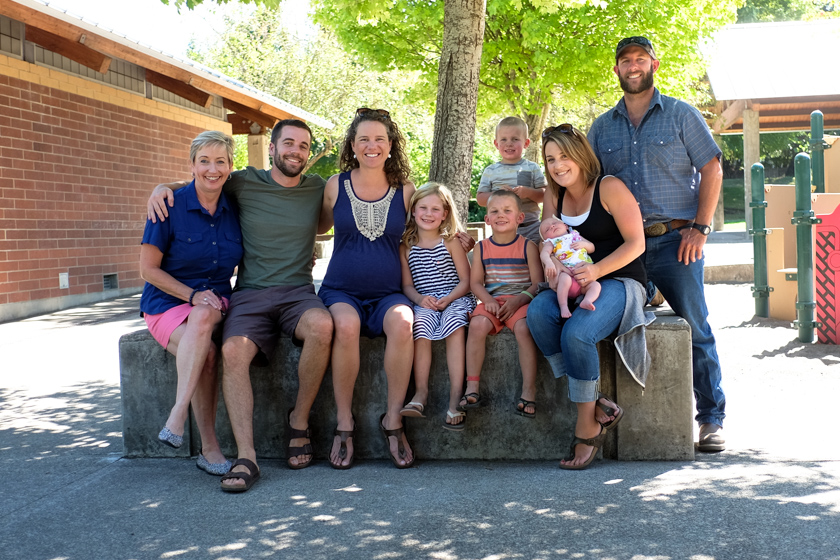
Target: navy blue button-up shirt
[
  {"x": 659, "y": 160},
  {"x": 198, "y": 249}
]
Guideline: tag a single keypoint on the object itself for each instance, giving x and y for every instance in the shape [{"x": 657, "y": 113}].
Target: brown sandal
[
  {"x": 249, "y": 477},
  {"x": 400, "y": 448},
  {"x": 596, "y": 443},
  {"x": 342, "y": 451},
  {"x": 306, "y": 449}
]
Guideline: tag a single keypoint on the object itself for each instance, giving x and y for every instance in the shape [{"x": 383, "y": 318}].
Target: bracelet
[
  {"x": 192, "y": 295},
  {"x": 527, "y": 293}
]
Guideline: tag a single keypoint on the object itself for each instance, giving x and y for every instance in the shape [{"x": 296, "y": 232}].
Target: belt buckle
[{"x": 655, "y": 230}]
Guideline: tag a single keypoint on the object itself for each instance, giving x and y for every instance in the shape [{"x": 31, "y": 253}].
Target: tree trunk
[
  {"x": 455, "y": 115},
  {"x": 536, "y": 124}
]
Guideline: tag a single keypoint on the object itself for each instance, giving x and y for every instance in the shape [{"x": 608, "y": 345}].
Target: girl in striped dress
[{"x": 436, "y": 278}]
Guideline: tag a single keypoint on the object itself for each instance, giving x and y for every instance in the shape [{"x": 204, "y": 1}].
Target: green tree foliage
[
  {"x": 307, "y": 68},
  {"x": 754, "y": 11},
  {"x": 536, "y": 52},
  {"x": 190, "y": 4}
]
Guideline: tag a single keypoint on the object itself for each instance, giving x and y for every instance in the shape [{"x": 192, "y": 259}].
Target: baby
[{"x": 562, "y": 250}]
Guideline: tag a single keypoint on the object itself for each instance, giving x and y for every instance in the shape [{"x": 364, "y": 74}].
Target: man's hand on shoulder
[{"x": 161, "y": 200}]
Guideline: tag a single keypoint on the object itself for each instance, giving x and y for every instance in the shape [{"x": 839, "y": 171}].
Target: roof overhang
[
  {"x": 95, "y": 47},
  {"x": 750, "y": 68}
]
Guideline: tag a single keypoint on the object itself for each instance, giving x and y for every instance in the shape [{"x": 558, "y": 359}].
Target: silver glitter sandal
[
  {"x": 168, "y": 438},
  {"x": 217, "y": 469}
]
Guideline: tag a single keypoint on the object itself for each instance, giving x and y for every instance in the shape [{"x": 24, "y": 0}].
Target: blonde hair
[
  {"x": 513, "y": 121},
  {"x": 212, "y": 138},
  {"x": 450, "y": 225},
  {"x": 505, "y": 193}
]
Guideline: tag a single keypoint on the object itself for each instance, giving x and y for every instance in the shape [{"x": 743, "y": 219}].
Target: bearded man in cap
[{"x": 664, "y": 152}]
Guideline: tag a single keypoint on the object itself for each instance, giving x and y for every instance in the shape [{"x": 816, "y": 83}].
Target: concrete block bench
[{"x": 658, "y": 424}]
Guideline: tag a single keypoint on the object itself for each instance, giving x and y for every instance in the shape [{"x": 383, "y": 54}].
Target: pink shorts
[
  {"x": 498, "y": 325},
  {"x": 164, "y": 324}
]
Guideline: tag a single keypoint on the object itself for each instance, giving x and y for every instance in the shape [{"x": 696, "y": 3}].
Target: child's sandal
[
  {"x": 522, "y": 405},
  {"x": 465, "y": 403}
]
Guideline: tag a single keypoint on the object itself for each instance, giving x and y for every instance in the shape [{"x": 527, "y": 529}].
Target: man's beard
[
  {"x": 285, "y": 169},
  {"x": 645, "y": 84}
]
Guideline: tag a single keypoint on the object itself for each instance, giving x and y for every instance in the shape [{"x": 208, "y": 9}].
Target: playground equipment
[{"x": 782, "y": 237}]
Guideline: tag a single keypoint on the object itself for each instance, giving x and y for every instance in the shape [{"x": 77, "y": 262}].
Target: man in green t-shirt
[{"x": 279, "y": 210}]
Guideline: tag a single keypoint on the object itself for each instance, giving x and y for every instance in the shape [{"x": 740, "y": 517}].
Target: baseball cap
[{"x": 639, "y": 41}]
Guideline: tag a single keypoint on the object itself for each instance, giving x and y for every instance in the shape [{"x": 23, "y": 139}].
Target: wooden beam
[
  {"x": 73, "y": 50},
  {"x": 729, "y": 116},
  {"x": 242, "y": 125},
  {"x": 179, "y": 88},
  {"x": 249, "y": 113}
]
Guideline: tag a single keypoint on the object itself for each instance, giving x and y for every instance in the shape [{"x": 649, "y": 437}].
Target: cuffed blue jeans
[
  {"x": 569, "y": 345},
  {"x": 682, "y": 287}
]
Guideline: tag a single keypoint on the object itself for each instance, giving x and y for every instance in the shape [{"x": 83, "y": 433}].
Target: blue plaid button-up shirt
[{"x": 659, "y": 160}]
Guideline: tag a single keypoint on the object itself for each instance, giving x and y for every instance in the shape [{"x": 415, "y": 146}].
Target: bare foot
[
  {"x": 587, "y": 305},
  {"x": 564, "y": 311}
]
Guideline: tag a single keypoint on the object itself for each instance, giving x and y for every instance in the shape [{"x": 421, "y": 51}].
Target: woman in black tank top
[{"x": 604, "y": 212}]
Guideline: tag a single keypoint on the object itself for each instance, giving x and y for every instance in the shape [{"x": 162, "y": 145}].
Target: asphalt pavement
[{"x": 69, "y": 494}]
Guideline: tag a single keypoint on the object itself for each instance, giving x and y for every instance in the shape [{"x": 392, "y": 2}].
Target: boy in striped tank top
[{"x": 505, "y": 273}]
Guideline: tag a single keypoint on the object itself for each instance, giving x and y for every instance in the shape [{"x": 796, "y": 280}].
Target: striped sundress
[{"x": 434, "y": 274}]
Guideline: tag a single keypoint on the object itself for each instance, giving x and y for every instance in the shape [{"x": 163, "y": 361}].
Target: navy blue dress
[{"x": 366, "y": 273}]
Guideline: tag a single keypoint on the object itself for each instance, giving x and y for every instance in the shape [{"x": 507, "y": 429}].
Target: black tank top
[{"x": 600, "y": 228}]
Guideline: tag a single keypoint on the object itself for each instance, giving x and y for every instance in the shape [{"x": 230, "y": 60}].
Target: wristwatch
[{"x": 705, "y": 230}]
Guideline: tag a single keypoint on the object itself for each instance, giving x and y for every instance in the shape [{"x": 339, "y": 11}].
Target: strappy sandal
[
  {"x": 609, "y": 411},
  {"x": 294, "y": 433},
  {"x": 249, "y": 477},
  {"x": 400, "y": 448},
  {"x": 459, "y": 427},
  {"x": 342, "y": 450},
  {"x": 413, "y": 409},
  {"x": 595, "y": 443},
  {"x": 466, "y": 398},
  {"x": 522, "y": 405}
]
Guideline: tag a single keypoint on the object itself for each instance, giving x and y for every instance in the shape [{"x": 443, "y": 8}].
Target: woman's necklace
[{"x": 370, "y": 217}]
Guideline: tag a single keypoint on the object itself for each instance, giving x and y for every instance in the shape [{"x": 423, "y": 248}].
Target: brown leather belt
[{"x": 655, "y": 230}]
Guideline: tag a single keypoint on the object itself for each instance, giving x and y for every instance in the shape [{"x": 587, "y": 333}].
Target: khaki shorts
[{"x": 261, "y": 315}]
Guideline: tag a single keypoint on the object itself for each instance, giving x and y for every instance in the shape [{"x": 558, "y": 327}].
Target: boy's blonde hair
[
  {"x": 450, "y": 225},
  {"x": 512, "y": 121},
  {"x": 507, "y": 193}
]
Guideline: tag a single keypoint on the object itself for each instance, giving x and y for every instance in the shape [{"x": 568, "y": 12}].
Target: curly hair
[
  {"x": 578, "y": 149},
  {"x": 397, "y": 168},
  {"x": 451, "y": 223}
]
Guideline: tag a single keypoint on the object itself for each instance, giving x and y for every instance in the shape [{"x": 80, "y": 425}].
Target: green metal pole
[
  {"x": 803, "y": 218},
  {"x": 817, "y": 155},
  {"x": 761, "y": 291}
]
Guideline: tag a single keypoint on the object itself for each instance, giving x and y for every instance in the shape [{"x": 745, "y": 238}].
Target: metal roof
[{"x": 266, "y": 102}]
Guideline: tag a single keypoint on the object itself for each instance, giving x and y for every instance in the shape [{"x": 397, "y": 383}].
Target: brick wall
[{"x": 77, "y": 162}]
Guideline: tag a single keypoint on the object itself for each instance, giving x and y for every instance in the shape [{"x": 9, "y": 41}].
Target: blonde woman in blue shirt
[{"x": 187, "y": 262}]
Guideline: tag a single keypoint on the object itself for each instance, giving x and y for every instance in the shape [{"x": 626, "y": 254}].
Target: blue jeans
[
  {"x": 682, "y": 287},
  {"x": 569, "y": 345}
]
